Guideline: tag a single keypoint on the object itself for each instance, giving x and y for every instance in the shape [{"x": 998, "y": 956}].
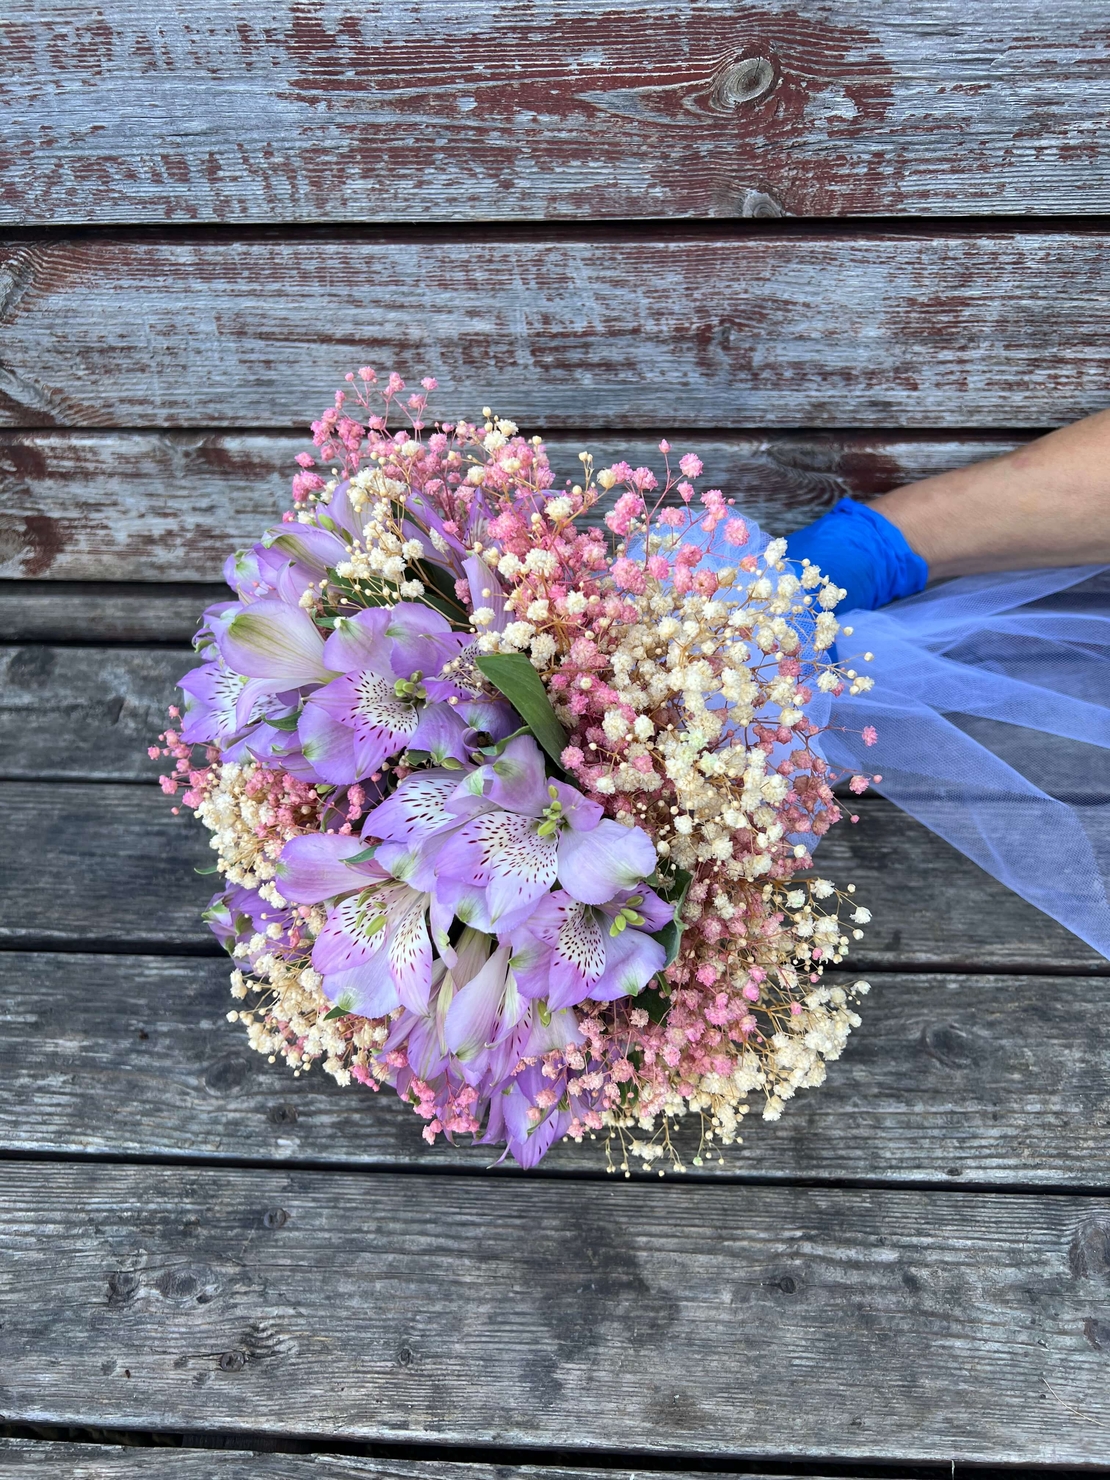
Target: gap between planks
[{"x": 104, "y": 1455}]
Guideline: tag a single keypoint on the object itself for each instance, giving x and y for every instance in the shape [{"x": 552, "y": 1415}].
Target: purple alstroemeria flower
[
  {"x": 238, "y": 914},
  {"x": 273, "y": 642},
  {"x": 597, "y": 951},
  {"x": 526, "y": 832},
  {"x": 489, "y": 1019},
  {"x": 375, "y": 952},
  {"x": 423, "y": 1034},
  {"x": 285, "y": 562},
  {"x": 221, "y": 707},
  {"x": 531, "y": 1110},
  {"x": 378, "y": 705}
]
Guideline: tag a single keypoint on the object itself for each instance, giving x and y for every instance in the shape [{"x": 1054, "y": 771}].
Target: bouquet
[{"x": 512, "y": 803}]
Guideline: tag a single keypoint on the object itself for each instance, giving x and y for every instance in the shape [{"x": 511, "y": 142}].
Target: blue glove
[{"x": 862, "y": 552}]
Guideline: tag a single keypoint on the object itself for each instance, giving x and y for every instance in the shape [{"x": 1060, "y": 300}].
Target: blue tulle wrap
[{"x": 991, "y": 702}]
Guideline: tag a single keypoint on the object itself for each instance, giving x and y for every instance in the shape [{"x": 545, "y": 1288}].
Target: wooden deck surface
[{"x": 613, "y": 222}]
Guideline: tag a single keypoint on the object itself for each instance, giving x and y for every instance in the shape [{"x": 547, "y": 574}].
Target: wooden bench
[{"x": 829, "y": 256}]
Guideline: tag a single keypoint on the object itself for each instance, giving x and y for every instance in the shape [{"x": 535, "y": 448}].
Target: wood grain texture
[
  {"x": 103, "y": 611},
  {"x": 114, "y": 1462},
  {"x": 85, "y": 713},
  {"x": 133, "y": 1056},
  {"x": 130, "y": 864},
  {"x": 554, "y": 108},
  {"x": 135, "y": 506},
  {"x": 668, "y": 1318},
  {"x": 620, "y": 331}
]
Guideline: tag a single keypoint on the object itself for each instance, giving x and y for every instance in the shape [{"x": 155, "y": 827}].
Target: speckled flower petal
[
  {"x": 504, "y": 854},
  {"x": 410, "y": 956}
]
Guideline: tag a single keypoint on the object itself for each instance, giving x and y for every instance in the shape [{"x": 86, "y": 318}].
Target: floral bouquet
[{"x": 510, "y": 802}]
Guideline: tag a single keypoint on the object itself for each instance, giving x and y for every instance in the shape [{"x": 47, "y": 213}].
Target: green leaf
[
  {"x": 213, "y": 870},
  {"x": 343, "y": 1006},
  {"x": 287, "y": 722},
  {"x": 363, "y": 856},
  {"x": 439, "y": 591},
  {"x": 670, "y": 937},
  {"x": 654, "y": 1003},
  {"x": 513, "y": 675}
]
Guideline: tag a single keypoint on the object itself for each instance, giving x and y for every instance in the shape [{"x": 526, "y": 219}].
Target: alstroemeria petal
[
  {"x": 407, "y": 863},
  {"x": 504, "y": 853},
  {"x": 306, "y": 545},
  {"x": 359, "y": 641},
  {"x": 409, "y": 950},
  {"x": 492, "y": 718},
  {"x": 355, "y": 932},
  {"x": 485, "y": 590},
  {"x": 582, "y": 813},
  {"x": 416, "y": 632},
  {"x": 517, "y": 779},
  {"x": 417, "y": 809},
  {"x": 328, "y": 746},
  {"x": 594, "y": 865},
  {"x": 425, "y": 1049},
  {"x": 579, "y": 958},
  {"x": 473, "y": 1015},
  {"x": 454, "y": 900},
  {"x": 631, "y": 960},
  {"x": 368, "y": 988},
  {"x": 655, "y": 911},
  {"x": 312, "y": 868},
  {"x": 541, "y": 1138},
  {"x": 440, "y": 731},
  {"x": 269, "y": 639},
  {"x": 467, "y": 957},
  {"x": 559, "y": 1033}
]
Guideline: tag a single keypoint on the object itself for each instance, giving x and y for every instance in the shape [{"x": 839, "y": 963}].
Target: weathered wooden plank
[
  {"x": 103, "y": 865},
  {"x": 85, "y": 713},
  {"x": 668, "y": 1318},
  {"x": 103, "y": 611},
  {"x": 113, "y": 1462},
  {"x": 144, "y": 506},
  {"x": 558, "y": 108},
  {"x": 133, "y": 1056},
  {"x": 129, "y": 865},
  {"x": 712, "y": 330}
]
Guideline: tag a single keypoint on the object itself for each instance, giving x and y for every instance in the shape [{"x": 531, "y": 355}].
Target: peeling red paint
[
  {"x": 546, "y": 110},
  {"x": 587, "y": 78},
  {"x": 43, "y": 542}
]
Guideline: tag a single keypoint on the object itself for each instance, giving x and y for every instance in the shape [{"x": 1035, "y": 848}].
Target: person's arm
[{"x": 1046, "y": 504}]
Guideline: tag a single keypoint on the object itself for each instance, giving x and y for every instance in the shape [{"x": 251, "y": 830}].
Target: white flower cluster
[{"x": 234, "y": 819}]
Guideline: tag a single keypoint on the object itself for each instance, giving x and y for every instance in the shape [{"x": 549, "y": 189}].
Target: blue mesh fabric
[{"x": 992, "y": 707}]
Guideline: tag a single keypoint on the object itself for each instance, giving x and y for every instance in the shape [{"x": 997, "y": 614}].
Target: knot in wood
[
  {"x": 274, "y": 1218},
  {"x": 123, "y": 1286},
  {"x": 758, "y": 205},
  {"x": 1089, "y": 1254},
  {"x": 741, "y": 82},
  {"x": 232, "y": 1361}
]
